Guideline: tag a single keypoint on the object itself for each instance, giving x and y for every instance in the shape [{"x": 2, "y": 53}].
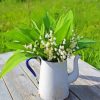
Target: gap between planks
[
  {"x": 84, "y": 67},
  {"x": 81, "y": 88},
  {"x": 4, "y": 93},
  {"x": 20, "y": 86}
]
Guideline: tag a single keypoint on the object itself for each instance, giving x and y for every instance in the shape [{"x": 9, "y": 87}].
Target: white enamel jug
[{"x": 54, "y": 79}]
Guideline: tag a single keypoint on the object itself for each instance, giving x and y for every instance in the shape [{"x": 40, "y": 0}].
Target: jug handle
[{"x": 29, "y": 67}]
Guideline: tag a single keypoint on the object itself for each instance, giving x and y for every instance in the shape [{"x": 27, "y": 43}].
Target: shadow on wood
[
  {"x": 92, "y": 78},
  {"x": 86, "y": 92}
]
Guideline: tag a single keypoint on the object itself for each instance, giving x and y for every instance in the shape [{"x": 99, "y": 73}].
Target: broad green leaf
[
  {"x": 60, "y": 23},
  {"x": 12, "y": 62},
  {"x": 52, "y": 22},
  {"x": 61, "y": 34},
  {"x": 64, "y": 27},
  {"x": 70, "y": 18},
  {"x": 26, "y": 31},
  {"x": 85, "y": 40},
  {"x": 16, "y": 34},
  {"x": 46, "y": 21},
  {"x": 49, "y": 22},
  {"x": 34, "y": 35},
  {"x": 14, "y": 46},
  {"x": 31, "y": 33},
  {"x": 83, "y": 43}
]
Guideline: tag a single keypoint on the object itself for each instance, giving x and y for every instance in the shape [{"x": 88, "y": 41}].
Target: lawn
[{"x": 15, "y": 13}]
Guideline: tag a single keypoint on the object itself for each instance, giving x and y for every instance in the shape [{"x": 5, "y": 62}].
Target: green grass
[{"x": 86, "y": 19}]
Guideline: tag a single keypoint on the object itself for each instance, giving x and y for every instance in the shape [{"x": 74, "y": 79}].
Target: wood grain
[
  {"x": 87, "y": 86},
  {"x": 23, "y": 86},
  {"x": 4, "y": 93},
  {"x": 20, "y": 86}
]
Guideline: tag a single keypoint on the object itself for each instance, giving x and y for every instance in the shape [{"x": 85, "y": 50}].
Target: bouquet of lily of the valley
[{"x": 54, "y": 41}]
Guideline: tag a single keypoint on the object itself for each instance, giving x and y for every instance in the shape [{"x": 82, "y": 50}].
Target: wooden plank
[
  {"x": 4, "y": 94},
  {"x": 36, "y": 67},
  {"x": 85, "y": 92},
  {"x": 72, "y": 96},
  {"x": 86, "y": 71},
  {"x": 20, "y": 86},
  {"x": 87, "y": 86},
  {"x": 5, "y": 56}
]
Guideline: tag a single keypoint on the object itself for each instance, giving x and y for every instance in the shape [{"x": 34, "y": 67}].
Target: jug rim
[{"x": 54, "y": 62}]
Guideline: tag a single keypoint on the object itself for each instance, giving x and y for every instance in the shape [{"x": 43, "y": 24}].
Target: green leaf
[
  {"x": 12, "y": 62},
  {"x": 49, "y": 22},
  {"x": 36, "y": 27},
  {"x": 34, "y": 35},
  {"x": 52, "y": 22},
  {"x": 84, "y": 43},
  {"x": 31, "y": 33},
  {"x": 70, "y": 29},
  {"x": 61, "y": 34},
  {"x": 64, "y": 27},
  {"x": 46, "y": 21},
  {"x": 26, "y": 31},
  {"x": 14, "y": 46},
  {"x": 37, "y": 30},
  {"x": 42, "y": 29},
  {"x": 16, "y": 34},
  {"x": 60, "y": 23}
]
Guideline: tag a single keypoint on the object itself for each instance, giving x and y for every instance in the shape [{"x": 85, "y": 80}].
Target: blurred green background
[{"x": 15, "y": 13}]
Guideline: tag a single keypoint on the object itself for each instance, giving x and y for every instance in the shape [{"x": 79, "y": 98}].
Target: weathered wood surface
[
  {"x": 20, "y": 84},
  {"x": 87, "y": 87},
  {"x": 4, "y": 92}
]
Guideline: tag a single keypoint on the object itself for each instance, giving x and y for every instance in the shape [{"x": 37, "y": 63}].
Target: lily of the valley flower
[
  {"x": 51, "y": 49},
  {"x": 34, "y": 49},
  {"x": 64, "y": 41},
  {"x": 28, "y": 46}
]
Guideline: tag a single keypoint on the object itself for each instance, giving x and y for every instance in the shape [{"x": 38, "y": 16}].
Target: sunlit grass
[{"x": 86, "y": 19}]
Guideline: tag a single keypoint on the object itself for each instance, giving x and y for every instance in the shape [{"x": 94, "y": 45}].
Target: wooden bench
[{"x": 20, "y": 84}]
